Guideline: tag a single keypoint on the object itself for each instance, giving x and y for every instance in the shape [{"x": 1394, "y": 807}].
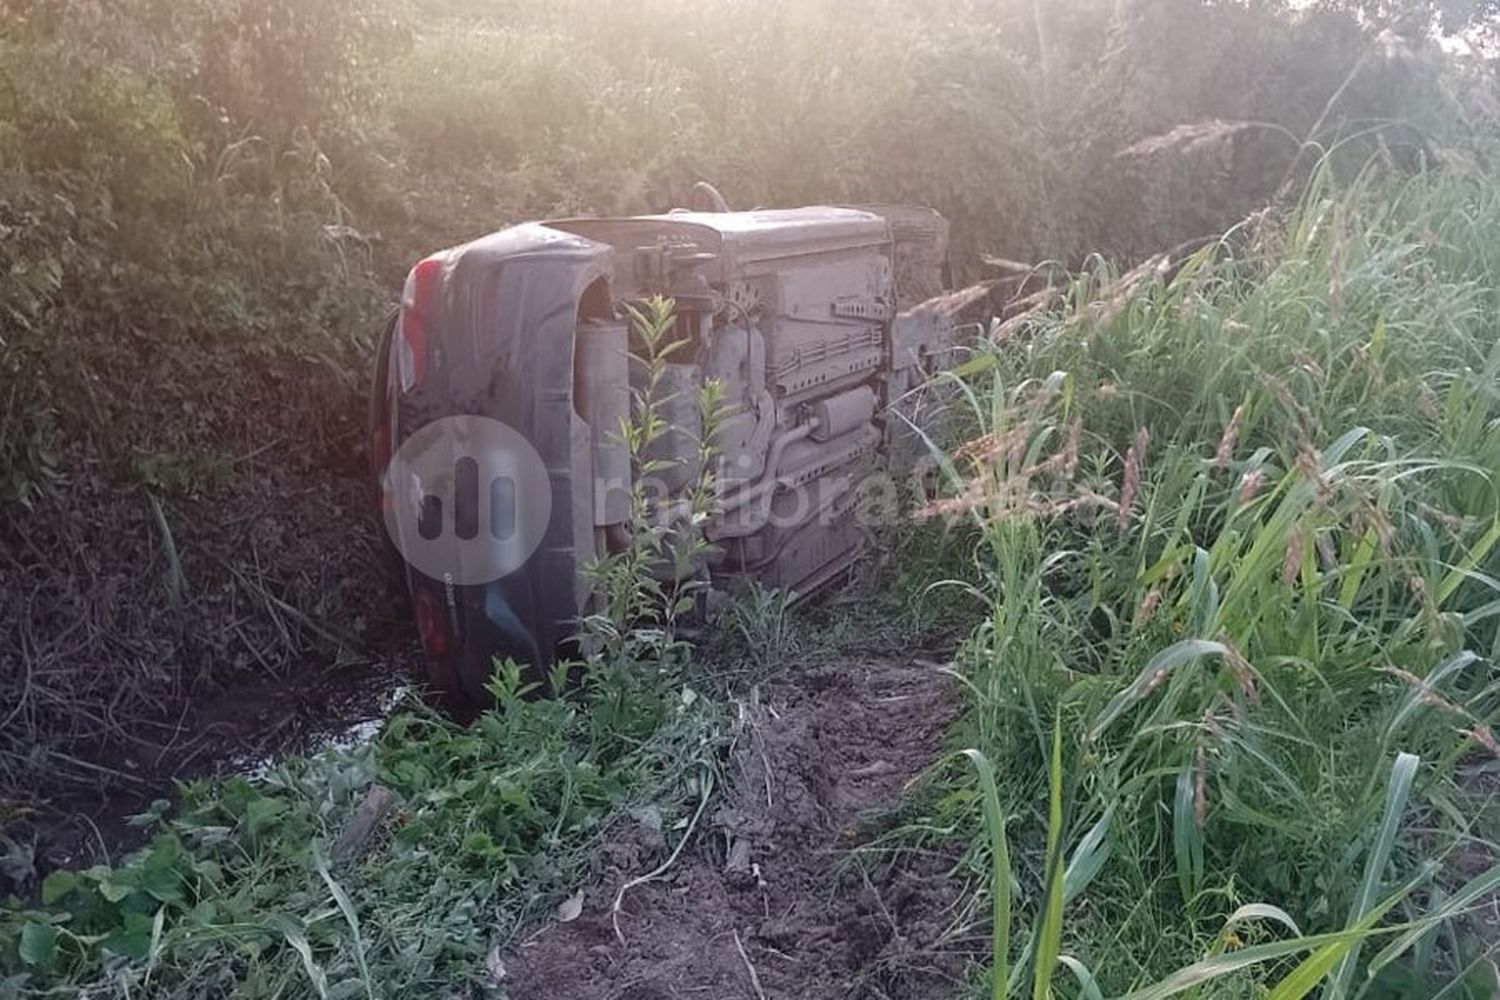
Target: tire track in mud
[{"x": 761, "y": 904}]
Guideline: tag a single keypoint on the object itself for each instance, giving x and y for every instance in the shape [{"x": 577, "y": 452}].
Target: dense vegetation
[
  {"x": 1238, "y": 522},
  {"x": 206, "y": 206},
  {"x": 1227, "y": 517}
]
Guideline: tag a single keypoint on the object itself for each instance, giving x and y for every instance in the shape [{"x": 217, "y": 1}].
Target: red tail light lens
[
  {"x": 417, "y": 300},
  {"x": 430, "y": 624}
]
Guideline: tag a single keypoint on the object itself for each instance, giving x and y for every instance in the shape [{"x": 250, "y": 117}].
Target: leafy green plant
[
  {"x": 644, "y": 590},
  {"x": 1232, "y": 621},
  {"x": 237, "y": 884},
  {"x": 492, "y": 819}
]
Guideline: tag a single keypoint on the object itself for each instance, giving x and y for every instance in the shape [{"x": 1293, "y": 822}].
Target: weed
[
  {"x": 761, "y": 620},
  {"x": 645, "y": 589}
]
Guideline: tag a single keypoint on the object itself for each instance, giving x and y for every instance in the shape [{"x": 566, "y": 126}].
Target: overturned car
[{"x": 503, "y": 386}]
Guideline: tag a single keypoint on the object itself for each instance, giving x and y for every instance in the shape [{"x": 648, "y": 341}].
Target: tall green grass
[{"x": 1234, "y": 519}]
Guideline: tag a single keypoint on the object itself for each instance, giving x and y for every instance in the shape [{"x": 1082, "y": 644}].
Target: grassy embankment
[{"x": 1237, "y": 527}]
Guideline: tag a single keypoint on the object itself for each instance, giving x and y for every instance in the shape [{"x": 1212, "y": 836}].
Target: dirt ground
[
  {"x": 1480, "y": 780},
  {"x": 768, "y": 901}
]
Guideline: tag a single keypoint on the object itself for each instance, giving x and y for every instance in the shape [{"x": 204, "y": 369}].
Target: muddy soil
[
  {"x": 244, "y": 729},
  {"x": 765, "y": 902}
]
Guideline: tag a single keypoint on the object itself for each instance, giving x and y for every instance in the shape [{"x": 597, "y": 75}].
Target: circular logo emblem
[{"x": 467, "y": 499}]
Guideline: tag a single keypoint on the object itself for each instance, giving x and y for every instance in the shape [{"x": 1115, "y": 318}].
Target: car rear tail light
[
  {"x": 417, "y": 300},
  {"x": 430, "y": 624}
]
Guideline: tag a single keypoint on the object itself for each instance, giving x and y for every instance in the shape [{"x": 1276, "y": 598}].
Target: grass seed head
[
  {"x": 1418, "y": 588},
  {"x": 1148, "y": 606},
  {"x": 1135, "y": 460},
  {"x": 1310, "y": 467},
  {"x": 972, "y": 498},
  {"x": 1069, "y": 464},
  {"x": 1485, "y": 737},
  {"x": 1225, "y": 452},
  {"x": 1250, "y": 485},
  {"x": 1291, "y": 561},
  {"x": 1428, "y": 695},
  {"x": 1155, "y": 682},
  {"x": 1309, "y": 364},
  {"x": 1428, "y": 404},
  {"x": 1372, "y": 518},
  {"x": 1243, "y": 674}
]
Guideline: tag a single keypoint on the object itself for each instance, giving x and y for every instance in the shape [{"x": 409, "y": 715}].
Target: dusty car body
[{"x": 811, "y": 319}]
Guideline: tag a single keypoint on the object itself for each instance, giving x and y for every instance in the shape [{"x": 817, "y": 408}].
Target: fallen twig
[
  {"x": 754, "y": 976},
  {"x": 377, "y": 804},
  {"x": 660, "y": 870}
]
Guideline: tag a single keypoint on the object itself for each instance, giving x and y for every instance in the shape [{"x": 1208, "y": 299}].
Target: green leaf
[
  {"x": 1190, "y": 976},
  {"x": 1088, "y": 988},
  {"x": 351, "y": 917},
  {"x": 1088, "y": 857},
  {"x": 262, "y": 812},
  {"x": 1152, "y": 676},
  {"x": 1260, "y": 911},
  {"x": 162, "y": 883},
  {"x": 346, "y": 989},
  {"x": 1187, "y": 840},
  {"x": 133, "y": 938},
  {"x": 1049, "y": 942},
  {"x": 1476, "y": 889},
  {"x": 1316, "y": 967},
  {"x": 39, "y": 944},
  {"x": 999, "y": 874},
  {"x": 513, "y": 793},
  {"x": 1330, "y": 948},
  {"x": 114, "y": 885},
  {"x": 1396, "y": 791},
  {"x": 295, "y": 934},
  {"x": 481, "y": 843},
  {"x": 158, "y": 928},
  {"x": 57, "y": 885}
]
